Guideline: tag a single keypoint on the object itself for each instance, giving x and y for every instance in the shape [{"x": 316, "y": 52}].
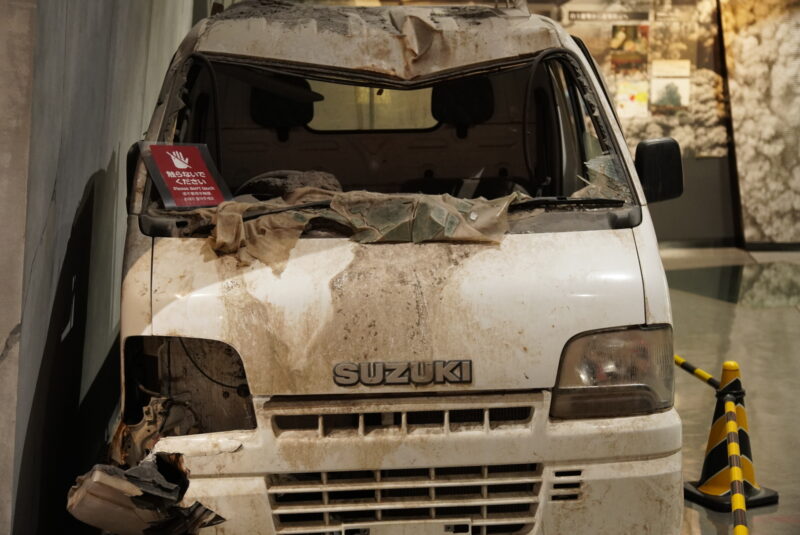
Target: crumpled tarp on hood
[{"x": 372, "y": 217}]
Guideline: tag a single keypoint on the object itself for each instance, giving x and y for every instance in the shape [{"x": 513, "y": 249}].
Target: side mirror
[
  {"x": 658, "y": 162},
  {"x": 130, "y": 168}
]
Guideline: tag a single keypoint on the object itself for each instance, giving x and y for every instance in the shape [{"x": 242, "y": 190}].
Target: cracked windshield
[
  {"x": 468, "y": 137},
  {"x": 463, "y": 159}
]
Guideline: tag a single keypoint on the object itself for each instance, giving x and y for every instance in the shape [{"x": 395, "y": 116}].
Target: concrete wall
[
  {"x": 18, "y": 28},
  {"x": 98, "y": 68}
]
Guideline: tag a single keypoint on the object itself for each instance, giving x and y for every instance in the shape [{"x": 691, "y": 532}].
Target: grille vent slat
[
  {"x": 566, "y": 485},
  {"x": 394, "y": 484},
  {"x": 369, "y": 503},
  {"x": 348, "y": 424},
  {"x": 495, "y": 499}
]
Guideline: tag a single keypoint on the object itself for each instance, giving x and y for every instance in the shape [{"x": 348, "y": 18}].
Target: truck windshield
[{"x": 486, "y": 135}]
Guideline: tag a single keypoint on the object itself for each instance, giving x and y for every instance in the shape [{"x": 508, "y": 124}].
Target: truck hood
[{"x": 507, "y": 309}]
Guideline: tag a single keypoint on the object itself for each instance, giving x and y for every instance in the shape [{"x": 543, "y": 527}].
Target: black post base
[{"x": 756, "y": 498}]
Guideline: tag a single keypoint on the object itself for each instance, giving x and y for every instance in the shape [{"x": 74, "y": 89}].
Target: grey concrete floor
[{"x": 729, "y": 304}]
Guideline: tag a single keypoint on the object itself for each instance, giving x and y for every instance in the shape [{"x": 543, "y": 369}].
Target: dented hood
[{"x": 508, "y": 309}]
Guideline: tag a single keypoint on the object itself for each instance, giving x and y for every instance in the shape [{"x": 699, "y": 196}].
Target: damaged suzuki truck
[{"x": 431, "y": 302}]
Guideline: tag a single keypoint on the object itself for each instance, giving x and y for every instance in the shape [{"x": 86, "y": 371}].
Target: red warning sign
[{"x": 184, "y": 175}]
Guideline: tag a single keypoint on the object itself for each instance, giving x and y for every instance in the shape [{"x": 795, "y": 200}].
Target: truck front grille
[
  {"x": 334, "y": 423},
  {"x": 482, "y": 500}
]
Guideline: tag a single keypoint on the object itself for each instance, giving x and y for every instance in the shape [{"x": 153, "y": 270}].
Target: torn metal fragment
[
  {"x": 142, "y": 500},
  {"x": 161, "y": 417}
]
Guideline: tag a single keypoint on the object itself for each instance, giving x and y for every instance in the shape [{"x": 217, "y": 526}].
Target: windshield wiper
[
  {"x": 258, "y": 213},
  {"x": 539, "y": 202}
]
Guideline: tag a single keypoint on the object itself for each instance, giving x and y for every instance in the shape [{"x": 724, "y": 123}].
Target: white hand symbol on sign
[{"x": 179, "y": 160}]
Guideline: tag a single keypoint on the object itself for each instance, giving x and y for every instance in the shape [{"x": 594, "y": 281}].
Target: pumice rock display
[{"x": 762, "y": 39}]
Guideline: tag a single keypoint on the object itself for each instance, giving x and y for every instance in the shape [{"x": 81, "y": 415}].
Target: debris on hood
[
  {"x": 378, "y": 217},
  {"x": 141, "y": 500},
  {"x": 281, "y": 183},
  {"x": 269, "y": 230}
]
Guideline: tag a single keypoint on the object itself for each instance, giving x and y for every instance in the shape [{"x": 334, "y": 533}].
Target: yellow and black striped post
[
  {"x": 713, "y": 489},
  {"x": 738, "y": 498},
  {"x": 697, "y": 372}
]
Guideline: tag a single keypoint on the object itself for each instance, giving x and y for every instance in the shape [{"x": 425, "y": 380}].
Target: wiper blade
[
  {"x": 566, "y": 201},
  {"x": 258, "y": 213}
]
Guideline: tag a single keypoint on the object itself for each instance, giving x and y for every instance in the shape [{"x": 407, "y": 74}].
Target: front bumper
[{"x": 476, "y": 464}]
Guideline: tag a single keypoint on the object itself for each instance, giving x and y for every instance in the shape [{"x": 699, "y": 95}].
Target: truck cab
[{"x": 434, "y": 303}]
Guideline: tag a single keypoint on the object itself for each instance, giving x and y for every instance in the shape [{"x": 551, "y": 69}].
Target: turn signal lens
[{"x": 615, "y": 373}]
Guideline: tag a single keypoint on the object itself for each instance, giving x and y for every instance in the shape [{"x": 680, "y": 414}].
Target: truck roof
[{"x": 401, "y": 42}]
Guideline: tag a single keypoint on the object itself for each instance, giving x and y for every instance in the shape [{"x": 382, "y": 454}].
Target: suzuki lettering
[{"x": 403, "y": 373}]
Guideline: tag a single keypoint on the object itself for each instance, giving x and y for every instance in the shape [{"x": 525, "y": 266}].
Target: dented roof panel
[{"x": 400, "y": 41}]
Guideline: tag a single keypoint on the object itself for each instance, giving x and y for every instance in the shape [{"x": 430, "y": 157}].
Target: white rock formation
[{"x": 762, "y": 39}]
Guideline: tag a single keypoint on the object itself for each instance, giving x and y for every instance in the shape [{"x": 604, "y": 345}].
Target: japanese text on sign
[{"x": 185, "y": 175}]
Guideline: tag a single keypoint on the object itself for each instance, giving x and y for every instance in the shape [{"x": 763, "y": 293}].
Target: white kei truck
[{"x": 432, "y": 301}]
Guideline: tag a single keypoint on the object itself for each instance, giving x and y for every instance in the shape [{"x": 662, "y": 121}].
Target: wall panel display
[
  {"x": 659, "y": 60},
  {"x": 663, "y": 63},
  {"x": 629, "y": 49}
]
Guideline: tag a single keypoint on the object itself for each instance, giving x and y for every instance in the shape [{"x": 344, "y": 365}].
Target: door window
[{"x": 590, "y": 165}]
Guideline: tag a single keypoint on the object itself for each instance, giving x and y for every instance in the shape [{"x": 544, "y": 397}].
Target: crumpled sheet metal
[
  {"x": 414, "y": 40},
  {"x": 161, "y": 416},
  {"x": 373, "y": 218},
  {"x": 143, "y": 500}
]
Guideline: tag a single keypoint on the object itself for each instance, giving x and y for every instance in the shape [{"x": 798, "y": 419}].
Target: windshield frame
[{"x": 568, "y": 58}]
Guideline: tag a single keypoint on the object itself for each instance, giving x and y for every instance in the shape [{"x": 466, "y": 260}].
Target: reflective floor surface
[{"x": 729, "y": 304}]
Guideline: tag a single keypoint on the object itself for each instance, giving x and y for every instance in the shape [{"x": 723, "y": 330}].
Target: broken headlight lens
[{"x": 615, "y": 373}]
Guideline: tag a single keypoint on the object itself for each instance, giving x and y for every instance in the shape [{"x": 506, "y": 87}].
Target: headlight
[{"x": 615, "y": 373}]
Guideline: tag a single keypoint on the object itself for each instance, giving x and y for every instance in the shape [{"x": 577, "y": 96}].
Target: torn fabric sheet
[
  {"x": 376, "y": 217},
  {"x": 269, "y": 238},
  {"x": 372, "y": 217}
]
